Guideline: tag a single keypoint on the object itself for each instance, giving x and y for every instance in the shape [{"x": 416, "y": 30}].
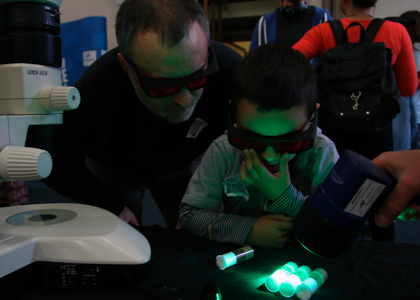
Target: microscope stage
[{"x": 67, "y": 233}]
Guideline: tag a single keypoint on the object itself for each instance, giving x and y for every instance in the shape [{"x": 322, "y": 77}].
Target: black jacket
[{"x": 111, "y": 125}]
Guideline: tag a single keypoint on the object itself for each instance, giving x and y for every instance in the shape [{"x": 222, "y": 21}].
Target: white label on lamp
[
  {"x": 89, "y": 57},
  {"x": 364, "y": 198}
]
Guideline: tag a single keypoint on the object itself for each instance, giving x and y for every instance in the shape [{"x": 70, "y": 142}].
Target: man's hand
[
  {"x": 404, "y": 166},
  {"x": 128, "y": 216},
  {"x": 270, "y": 231},
  {"x": 254, "y": 173}
]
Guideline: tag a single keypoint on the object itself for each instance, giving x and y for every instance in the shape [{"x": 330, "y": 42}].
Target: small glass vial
[
  {"x": 287, "y": 288},
  {"x": 232, "y": 258},
  {"x": 273, "y": 282},
  {"x": 311, "y": 284}
]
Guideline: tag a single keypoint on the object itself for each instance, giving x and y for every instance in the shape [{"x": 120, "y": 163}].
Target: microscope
[
  {"x": 70, "y": 245},
  {"x": 31, "y": 91}
]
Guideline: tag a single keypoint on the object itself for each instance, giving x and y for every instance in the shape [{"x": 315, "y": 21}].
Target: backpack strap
[
  {"x": 340, "y": 34},
  {"x": 373, "y": 29},
  {"x": 338, "y": 30}
]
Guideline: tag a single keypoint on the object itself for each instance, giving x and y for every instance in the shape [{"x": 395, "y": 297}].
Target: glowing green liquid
[{"x": 317, "y": 277}]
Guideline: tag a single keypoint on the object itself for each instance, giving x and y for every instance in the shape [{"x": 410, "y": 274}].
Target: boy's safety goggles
[
  {"x": 293, "y": 142},
  {"x": 165, "y": 87}
]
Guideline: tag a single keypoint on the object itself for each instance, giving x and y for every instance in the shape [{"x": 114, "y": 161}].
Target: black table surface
[{"x": 182, "y": 265}]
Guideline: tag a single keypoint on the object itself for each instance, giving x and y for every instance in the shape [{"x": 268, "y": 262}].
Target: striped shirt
[{"x": 220, "y": 207}]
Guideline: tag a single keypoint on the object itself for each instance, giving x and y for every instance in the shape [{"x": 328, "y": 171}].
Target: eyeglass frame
[
  {"x": 153, "y": 83},
  {"x": 306, "y": 135}
]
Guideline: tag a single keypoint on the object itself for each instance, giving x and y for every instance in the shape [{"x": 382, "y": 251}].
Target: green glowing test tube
[
  {"x": 236, "y": 256},
  {"x": 273, "y": 282},
  {"x": 311, "y": 284},
  {"x": 287, "y": 287}
]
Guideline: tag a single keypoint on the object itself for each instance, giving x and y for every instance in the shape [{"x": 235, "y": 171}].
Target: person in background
[
  {"x": 414, "y": 32},
  {"x": 288, "y": 23},
  {"x": 320, "y": 38},
  {"x": 149, "y": 109},
  {"x": 406, "y": 124},
  {"x": 404, "y": 166},
  {"x": 254, "y": 178}
]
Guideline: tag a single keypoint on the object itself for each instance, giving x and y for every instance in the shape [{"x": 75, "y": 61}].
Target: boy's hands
[
  {"x": 270, "y": 231},
  {"x": 254, "y": 173}
]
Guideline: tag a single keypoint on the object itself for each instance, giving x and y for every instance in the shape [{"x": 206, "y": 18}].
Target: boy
[{"x": 254, "y": 178}]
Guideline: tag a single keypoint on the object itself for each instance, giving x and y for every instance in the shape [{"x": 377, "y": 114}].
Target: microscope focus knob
[
  {"x": 59, "y": 98},
  {"x": 23, "y": 163}
]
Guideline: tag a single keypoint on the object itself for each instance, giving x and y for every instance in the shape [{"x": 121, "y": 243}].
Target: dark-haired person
[
  {"x": 414, "y": 33},
  {"x": 254, "y": 178},
  {"x": 149, "y": 109},
  {"x": 405, "y": 126},
  {"x": 288, "y": 23},
  {"x": 320, "y": 39}
]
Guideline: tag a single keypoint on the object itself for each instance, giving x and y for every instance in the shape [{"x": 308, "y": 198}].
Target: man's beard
[{"x": 185, "y": 116}]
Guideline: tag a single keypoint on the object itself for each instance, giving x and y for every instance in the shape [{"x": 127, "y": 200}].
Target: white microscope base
[{"x": 67, "y": 233}]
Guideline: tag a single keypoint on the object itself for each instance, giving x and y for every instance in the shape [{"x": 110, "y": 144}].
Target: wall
[
  {"x": 76, "y": 9},
  {"x": 72, "y": 10},
  {"x": 389, "y": 8}
]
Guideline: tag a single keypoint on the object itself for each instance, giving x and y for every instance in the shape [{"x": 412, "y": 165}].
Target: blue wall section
[{"x": 83, "y": 41}]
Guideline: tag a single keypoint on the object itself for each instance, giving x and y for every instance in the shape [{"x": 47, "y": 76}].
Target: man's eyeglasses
[
  {"x": 293, "y": 142},
  {"x": 165, "y": 87}
]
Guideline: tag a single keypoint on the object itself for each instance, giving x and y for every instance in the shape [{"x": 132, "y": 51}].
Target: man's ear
[{"x": 123, "y": 62}]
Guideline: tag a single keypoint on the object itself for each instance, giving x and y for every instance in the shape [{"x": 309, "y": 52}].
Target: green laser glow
[
  {"x": 287, "y": 288},
  {"x": 273, "y": 282},
  {"x": 236, "y": 256},
  {"x": 311, "y": 284}
]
